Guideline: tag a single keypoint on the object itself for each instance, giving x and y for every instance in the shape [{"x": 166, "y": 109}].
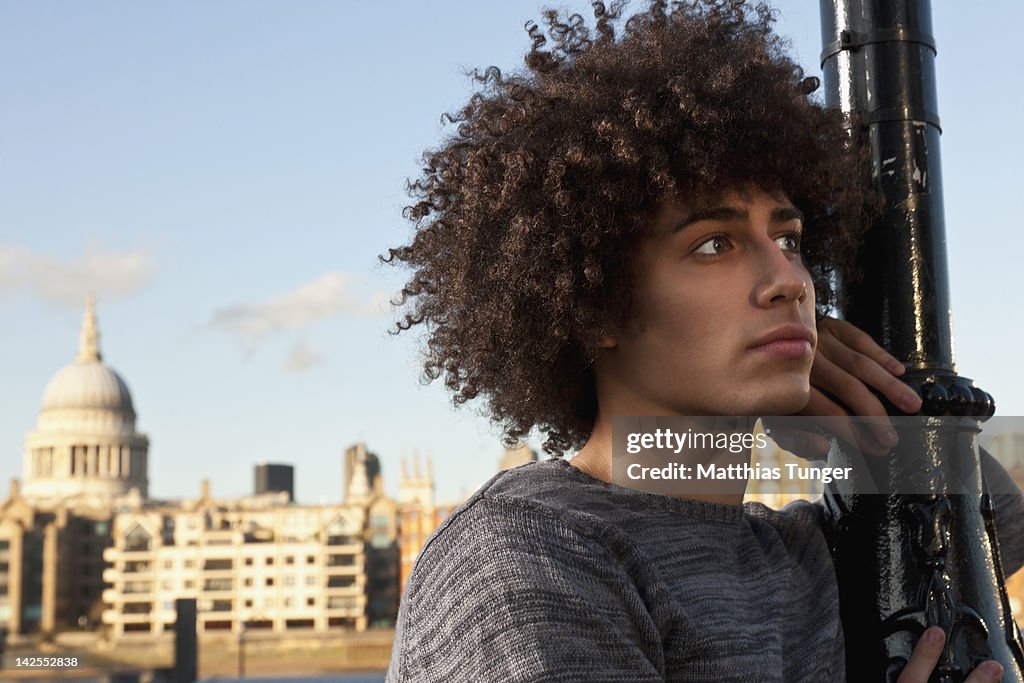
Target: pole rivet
[{"x": 934, "y": 399}]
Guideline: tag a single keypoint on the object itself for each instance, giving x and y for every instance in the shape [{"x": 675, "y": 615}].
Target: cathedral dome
[
  {"x": 88, "y": 383},
  {"x": 85, "y": 444}
]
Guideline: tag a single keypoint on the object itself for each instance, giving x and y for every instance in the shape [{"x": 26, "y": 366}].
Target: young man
[{"x": 646, "y": 221}]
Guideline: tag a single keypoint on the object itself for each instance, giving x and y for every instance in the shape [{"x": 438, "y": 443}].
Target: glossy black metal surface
[{"x": 908, "y": 562}]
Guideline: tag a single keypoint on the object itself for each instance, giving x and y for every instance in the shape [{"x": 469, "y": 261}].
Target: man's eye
[
  {"x": 713, "y": 246},
  {"x": 789, "y": 242}
]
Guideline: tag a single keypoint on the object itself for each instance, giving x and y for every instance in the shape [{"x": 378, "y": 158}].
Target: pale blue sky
[{"x": 223, "y": 174}]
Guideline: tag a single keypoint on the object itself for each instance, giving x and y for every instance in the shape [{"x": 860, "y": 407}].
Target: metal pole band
[
  {"x": 853, "y": 40},
  {"x": 904, "y": 114}
]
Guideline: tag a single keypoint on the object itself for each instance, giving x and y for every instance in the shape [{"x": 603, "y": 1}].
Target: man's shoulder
[
  {"x": 543, "y": 492},
  {"x": 545, "y": 502},
  {"x": 557, "y": 489},
  {"x": 798, "y": 514},
  {"x": 513, "y": 530}
]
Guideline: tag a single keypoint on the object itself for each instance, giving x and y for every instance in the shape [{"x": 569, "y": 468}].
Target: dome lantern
[{"x": 89, "y": 339}]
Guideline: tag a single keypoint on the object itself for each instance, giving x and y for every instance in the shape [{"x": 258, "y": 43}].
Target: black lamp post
[{"x": 927, "y": 557}]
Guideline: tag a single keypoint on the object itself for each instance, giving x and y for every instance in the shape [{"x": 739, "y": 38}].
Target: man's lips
[{"x": 787, "y": 341}]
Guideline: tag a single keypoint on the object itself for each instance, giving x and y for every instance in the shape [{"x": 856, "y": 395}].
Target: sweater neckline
[{"x": 723, "y": 512}]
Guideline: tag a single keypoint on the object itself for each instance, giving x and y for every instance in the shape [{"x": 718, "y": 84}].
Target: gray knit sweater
[{"x": 547, "y": 574}]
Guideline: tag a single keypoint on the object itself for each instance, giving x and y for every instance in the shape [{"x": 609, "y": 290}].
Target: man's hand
[
  {"x": 847, "y": 364},
  {"x": 926, "y": 655}
]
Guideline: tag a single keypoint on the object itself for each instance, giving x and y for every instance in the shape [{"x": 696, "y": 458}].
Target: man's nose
[{"x": 783, "y": 279}]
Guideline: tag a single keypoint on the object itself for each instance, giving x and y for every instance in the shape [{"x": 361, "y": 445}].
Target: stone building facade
[{"x": 254, "y": 562}]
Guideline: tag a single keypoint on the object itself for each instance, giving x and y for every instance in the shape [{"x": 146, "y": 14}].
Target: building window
[
  {"x": 341, "y": 560},
  {"x": 310, "y": 602},
  {"x": 310, "y": 580},
  {"x": 137, "y": 608},
  {"x": 168, "y": 564},
  {"x": 218, "y": 564},
  {"x": 137, "y": 587},
  {"x": 310, "y": 559},
  {"x": 189, "y": 564},
  {"x": 137, "y": 540},
  {"x": 248, "y": 562},
  {"x": 270, "y": 581},
  {"x": 340, "y": 581},
  {"x": 247, "y": 581},
  {"x": 218, "y": 585},
  {"x": 189, "y": 583},
  {"x": 289, "y": 560},
  {"x": 248, "y": 603},
  {"x": 289, "y": 580},
  {"x": 343, "y": 602},
  {"x": 270, "y": 561}
]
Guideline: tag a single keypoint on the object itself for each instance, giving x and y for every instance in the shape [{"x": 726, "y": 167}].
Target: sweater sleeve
[
  {"x": 507, "y": 592},
  {"x": 1009, "y": 512}
]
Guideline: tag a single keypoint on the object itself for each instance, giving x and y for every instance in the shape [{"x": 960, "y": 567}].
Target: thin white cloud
[
  {"x": 302, "y": 357},
  {"x": 66, "y": 282},
  {"x": 329, "y": 296}
]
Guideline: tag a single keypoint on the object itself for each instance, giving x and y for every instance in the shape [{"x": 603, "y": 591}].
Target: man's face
[{"x": 723, "y": 320}]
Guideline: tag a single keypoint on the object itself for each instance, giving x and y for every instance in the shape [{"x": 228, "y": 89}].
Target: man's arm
[
  {"x": 508, "y": 593},
  {"x": 1009, "y": 506}
]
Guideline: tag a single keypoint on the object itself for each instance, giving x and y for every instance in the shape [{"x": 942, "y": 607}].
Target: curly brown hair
[{"x": 528, "y": 217}]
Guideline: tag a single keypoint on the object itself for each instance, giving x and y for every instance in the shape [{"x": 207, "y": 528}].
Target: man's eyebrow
[
  {"x": 728, "y": 213},
  {"x": 789, "y": 213},
  {"x": 713, "y": 213}
]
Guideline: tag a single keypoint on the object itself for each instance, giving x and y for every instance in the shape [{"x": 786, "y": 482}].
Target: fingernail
[
  {"x": 896, "y": 367},
  {"x": 910, "y": 402},
  {"x": 890, "y": 438},
  {"x": 934, "y": 636},
  {"x": 993, "y": 669}
]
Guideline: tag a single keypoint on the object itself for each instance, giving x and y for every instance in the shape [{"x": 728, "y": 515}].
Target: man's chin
[{"x": 786, "y": 402}]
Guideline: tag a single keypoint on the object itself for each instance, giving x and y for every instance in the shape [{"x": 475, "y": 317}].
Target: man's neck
[{"x": 595, "y": 459}]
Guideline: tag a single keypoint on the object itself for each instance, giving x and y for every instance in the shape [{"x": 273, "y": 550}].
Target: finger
[
  {"x": 827, "y": 376},
  {"x": 859, "y": 340},
  {"x": 830, "y": 372},
  {"x": 806, "y": 444},
  {"x": 867, "y": 369},
  {"x": 987, "y": 672},
  {"x": 925, "y": 656},
  {"x": 834, "y": 419}
]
